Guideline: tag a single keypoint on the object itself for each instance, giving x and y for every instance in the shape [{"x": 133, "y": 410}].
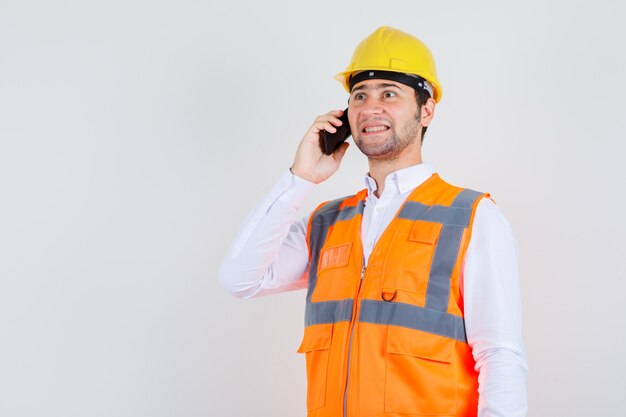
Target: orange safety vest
[{"x": 389, "y": 339}]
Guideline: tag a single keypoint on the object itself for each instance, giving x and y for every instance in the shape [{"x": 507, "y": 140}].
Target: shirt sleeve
[
  {"x": 493, "y": 314},
  {"x": 270, "y": 253}
]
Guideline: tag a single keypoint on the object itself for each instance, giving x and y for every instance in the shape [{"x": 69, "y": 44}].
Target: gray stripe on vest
[
  {"x": 319, "y": 230},
  {"x": 456, "y": 216},
  {"x": 328, "y": 312},
  {"x": 328, "y": 215},
  {"x": 413, "y": 317},
  {"x": 446, "y": 254},
  {"x": 348, "y": 213},
  {"x": 466, "y": 198}
]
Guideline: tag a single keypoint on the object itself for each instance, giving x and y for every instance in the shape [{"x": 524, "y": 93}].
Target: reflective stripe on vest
[
  {"x": 433, "y": 318},
  {"x": 326, "y": 217}
]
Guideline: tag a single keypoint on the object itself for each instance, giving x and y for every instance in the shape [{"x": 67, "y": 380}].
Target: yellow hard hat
[{"x": 389, "y": 49}]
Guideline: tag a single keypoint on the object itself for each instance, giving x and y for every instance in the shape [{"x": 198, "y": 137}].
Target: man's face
[{"x": 384, "y": 118}]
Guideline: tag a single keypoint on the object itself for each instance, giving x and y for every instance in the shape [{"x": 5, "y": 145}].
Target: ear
[{"x": 427, "y": 112}]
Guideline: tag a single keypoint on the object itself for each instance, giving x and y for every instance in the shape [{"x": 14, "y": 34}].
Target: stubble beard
[{"x": 391, "y": 148}]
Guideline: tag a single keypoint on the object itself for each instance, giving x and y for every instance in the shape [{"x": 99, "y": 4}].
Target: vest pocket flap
[
  {"x": 316, "y": 337},
  {"x": 335, "y": 256},
  {"x": 405, "y": 341},
  {"x": 425, "y": 232}
]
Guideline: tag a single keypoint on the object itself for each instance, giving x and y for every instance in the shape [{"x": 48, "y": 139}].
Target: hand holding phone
[
  {"x": 307, "y": 163},
  {"x": 329, "y": 142}
]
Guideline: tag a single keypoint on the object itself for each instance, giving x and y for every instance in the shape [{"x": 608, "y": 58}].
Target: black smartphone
[{"x": 329, "y": 142}]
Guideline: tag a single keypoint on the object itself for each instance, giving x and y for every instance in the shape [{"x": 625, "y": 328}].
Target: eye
[
  {"x": 359, "y": 96},
  {"x": 389, "y": 94}
]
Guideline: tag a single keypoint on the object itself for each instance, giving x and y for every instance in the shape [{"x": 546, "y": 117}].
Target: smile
[{"x": 373, "y": 129}]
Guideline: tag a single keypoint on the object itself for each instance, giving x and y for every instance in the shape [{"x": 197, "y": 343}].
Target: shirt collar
[{"x": 403, "y": 180}]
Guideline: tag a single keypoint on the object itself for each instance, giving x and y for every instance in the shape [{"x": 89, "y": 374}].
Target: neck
[{"x": 379, "y": 169}]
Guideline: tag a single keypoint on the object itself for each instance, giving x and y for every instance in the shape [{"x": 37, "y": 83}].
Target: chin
[{"x": 375, "y": 152}]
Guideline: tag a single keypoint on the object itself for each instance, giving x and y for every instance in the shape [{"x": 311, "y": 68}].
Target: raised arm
[{"x": 270, "y": 252}]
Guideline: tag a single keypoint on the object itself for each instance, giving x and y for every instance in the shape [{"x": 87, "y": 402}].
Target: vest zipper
[{"x": 355, "y": 312}]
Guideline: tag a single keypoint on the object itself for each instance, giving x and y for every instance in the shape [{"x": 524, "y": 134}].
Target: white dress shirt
[{"x": 270, "y": 255}]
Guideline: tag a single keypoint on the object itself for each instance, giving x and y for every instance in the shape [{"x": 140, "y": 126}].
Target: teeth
[{"x": 375, "y": 129}]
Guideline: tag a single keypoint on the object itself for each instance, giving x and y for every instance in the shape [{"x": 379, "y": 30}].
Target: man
[{"x": 413, "y": 297}]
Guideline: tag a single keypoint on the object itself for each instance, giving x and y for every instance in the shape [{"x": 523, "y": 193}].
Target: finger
[
  {"x": 336, "y": 112},
  {"x": 333, "y": 117},
  {"x": 334, "y": 121},
  {"x": 325, "y": 125}
]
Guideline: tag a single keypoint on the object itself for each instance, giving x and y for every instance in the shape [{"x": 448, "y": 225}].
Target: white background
[{"x": 136, "y": 135}]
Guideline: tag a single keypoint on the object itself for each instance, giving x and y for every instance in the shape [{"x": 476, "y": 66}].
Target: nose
[{"x": 371, "y": 106}]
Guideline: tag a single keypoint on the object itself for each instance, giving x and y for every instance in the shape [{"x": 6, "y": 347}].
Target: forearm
[
  {"x": 502, "y": 383},
  {"x": 270, "y": 253}
]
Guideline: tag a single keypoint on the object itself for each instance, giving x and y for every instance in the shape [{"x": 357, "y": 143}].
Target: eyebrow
[{"x": 379, "y": 86}]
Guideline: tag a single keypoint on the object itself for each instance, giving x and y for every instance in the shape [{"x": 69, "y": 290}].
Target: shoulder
[
  {"x": 460, "y": 197},
  {"x": 487, "y": 210},
  {"x": 328, "y": 211},
  {"x": 490, "y": 223}
]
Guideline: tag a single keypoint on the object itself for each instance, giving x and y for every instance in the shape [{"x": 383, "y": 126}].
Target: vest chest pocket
[
  {"x": 407, "y": 264},
  {"x": 316, "y": 346},
  {"x": 334, "y": 282},
  {"x": 335, "y": 257},
  {"x": 420, "y": 376}
]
